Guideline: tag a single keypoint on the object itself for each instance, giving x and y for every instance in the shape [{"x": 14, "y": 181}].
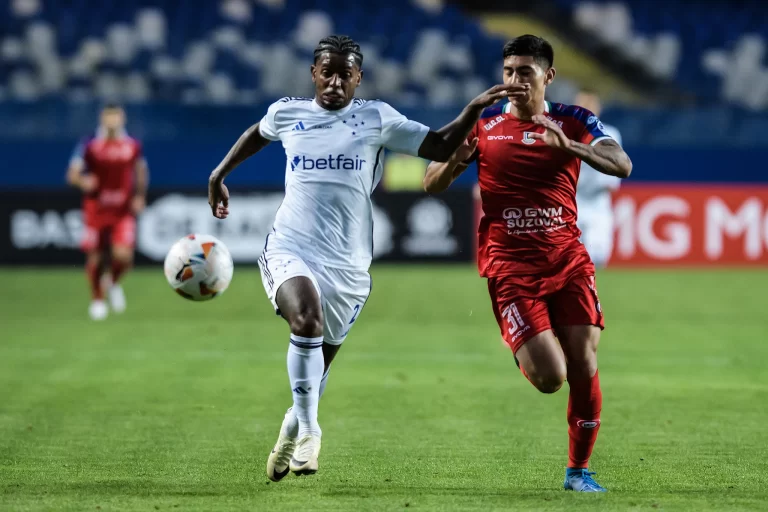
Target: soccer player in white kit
[
  {"x": 593, "y": 195},
  {"x": 315, "y": 261}
]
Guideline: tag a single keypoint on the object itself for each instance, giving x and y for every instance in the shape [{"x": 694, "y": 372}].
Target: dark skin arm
[
  {"x": 249, "y": 143},
  {"x": 440, "y": 175},
  {"x": 441, "y": 144}
]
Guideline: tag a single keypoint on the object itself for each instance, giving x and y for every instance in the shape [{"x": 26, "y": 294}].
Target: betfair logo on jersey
[
  {"x": 331, "y": 162},
  {"x": 493, "y": 122}
]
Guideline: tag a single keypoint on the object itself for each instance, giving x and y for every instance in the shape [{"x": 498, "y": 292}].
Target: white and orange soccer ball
[{"x": 199, "y": 267}]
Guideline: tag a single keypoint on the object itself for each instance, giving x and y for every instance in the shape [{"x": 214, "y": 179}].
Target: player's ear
[
  {"x": 550, "y": 76},
  {"x": 312, "y": 69},
  {"x": 360, "y": 77}
]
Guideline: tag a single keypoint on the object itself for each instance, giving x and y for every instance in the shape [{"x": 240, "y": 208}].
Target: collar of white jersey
[{"x": 317, "y": 108}]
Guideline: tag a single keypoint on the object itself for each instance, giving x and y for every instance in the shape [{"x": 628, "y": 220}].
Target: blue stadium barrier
[{"x": 183, "y": 144}]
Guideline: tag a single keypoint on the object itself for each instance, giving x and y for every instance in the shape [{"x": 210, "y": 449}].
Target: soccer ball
[{"x": 199, "y": 267}]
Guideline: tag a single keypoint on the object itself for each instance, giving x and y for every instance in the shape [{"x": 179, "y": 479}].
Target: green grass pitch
[{"x": 175, "y": 405}]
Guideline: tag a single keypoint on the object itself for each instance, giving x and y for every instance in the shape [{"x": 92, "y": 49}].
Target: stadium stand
[
  {"x": 723, "y": 43},
  {"x": 235, "y": 51}
]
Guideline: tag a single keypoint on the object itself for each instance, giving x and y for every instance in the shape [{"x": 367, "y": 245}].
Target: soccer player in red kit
[
  {"x": 540, "y": 277},
  {"x": 112, "y": 174}
]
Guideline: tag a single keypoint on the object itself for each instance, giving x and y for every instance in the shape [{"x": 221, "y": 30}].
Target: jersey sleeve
[
  {"x": 400, "y": 134},
  {"x": 267, "y": 126},
  {"x": 592, "y": 129}
]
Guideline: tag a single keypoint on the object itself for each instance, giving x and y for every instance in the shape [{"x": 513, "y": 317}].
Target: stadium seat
[
  {"x": 216, "y": 52},
  {"x": 429, "y": 52},
  {"x": 712, "y": 35}
]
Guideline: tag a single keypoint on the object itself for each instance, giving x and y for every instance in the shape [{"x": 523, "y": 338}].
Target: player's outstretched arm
[
  {"x": 606, "y": 156},
  {"x": 249, "y": 143},
  {"x": 441, "y": 144},
  {"x": 440, "y": 175},
  {"x": 76, "y": 176}
]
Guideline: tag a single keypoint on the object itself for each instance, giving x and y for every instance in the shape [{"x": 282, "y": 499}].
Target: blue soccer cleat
[{"x": 581, "y": 480}]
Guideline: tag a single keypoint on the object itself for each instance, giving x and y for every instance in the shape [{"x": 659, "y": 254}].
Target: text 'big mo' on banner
[{"x": 691, "y": 224}]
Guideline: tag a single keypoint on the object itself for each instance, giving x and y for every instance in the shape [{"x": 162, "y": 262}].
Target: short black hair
[
  {"x": 531, "y": 46},
  {"x": 111, "y": 106},
  {"x": 339, "y": 44}
]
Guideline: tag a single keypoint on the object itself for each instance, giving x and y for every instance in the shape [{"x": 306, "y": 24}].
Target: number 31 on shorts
[{"x": 515, "y": 324}]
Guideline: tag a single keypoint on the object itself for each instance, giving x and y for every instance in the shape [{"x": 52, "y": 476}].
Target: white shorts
[{"x": 343, "y": 293}]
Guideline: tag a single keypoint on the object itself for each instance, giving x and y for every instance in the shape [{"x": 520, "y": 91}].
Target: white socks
[
  {"x": 324, "y": 381},
  {"x": 305, "y": 371},
  {"x": 290, "y": 426}
]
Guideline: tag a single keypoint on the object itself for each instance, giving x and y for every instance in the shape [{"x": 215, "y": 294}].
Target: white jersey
[
  {"x": 593, "y": 191},
  {"x": 334, "y": 162}
]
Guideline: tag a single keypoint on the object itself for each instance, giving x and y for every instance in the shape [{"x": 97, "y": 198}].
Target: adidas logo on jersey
[{"x": 299, "y": 126}]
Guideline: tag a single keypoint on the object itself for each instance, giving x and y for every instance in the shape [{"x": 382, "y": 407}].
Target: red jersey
[
  {"x": 528, "y": 190},
  {"x": 113, "y": 163}
]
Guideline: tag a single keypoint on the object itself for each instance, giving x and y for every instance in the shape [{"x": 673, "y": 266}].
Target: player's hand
[
  {"x": 553, "y": 135},
  {"x": 138, "y": 203},
  {"x": 218, "y": 197},
  {"x": 499, "y": 92},
  {"x": 88, "y": 183},
  {"x": 465, "y": 151}
]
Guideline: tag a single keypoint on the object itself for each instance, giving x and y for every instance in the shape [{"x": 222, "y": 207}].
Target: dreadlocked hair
[{"x": 339, "y": 44}]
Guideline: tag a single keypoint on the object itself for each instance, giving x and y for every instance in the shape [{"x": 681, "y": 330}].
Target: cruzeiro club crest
[{"x": 527, "y": 138}]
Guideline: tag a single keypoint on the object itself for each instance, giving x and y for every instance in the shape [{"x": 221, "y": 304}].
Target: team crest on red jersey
[{"x": 527, "y": 138}]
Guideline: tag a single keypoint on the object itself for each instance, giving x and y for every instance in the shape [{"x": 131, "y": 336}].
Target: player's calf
[
  {"x": 298, "y": 301},
  {"x": 97, "y": 309},
  {"x": 122, "y": 260},
  {"x": 585, "y": 400}
]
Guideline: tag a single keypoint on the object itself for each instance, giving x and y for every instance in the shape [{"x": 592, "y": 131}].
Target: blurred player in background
[
  {"x": 540, "y": 277},
  {"x": 110, "y": 170},
  {"x": 593, "y": 194},
  {"x": 315, "y": 261}
]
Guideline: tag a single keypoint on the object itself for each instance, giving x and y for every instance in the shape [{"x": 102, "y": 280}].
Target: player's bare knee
[
  {"x": 583, "y": 367},
  {"x": 122, "y": 255},
  {"x": 307, "y": 322},
  {"x": 549, "y": 382}
]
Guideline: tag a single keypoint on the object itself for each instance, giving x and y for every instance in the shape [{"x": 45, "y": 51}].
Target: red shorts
[
  {"x": 529, "y": 305},
  {"x": 101, "y": 235}
]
